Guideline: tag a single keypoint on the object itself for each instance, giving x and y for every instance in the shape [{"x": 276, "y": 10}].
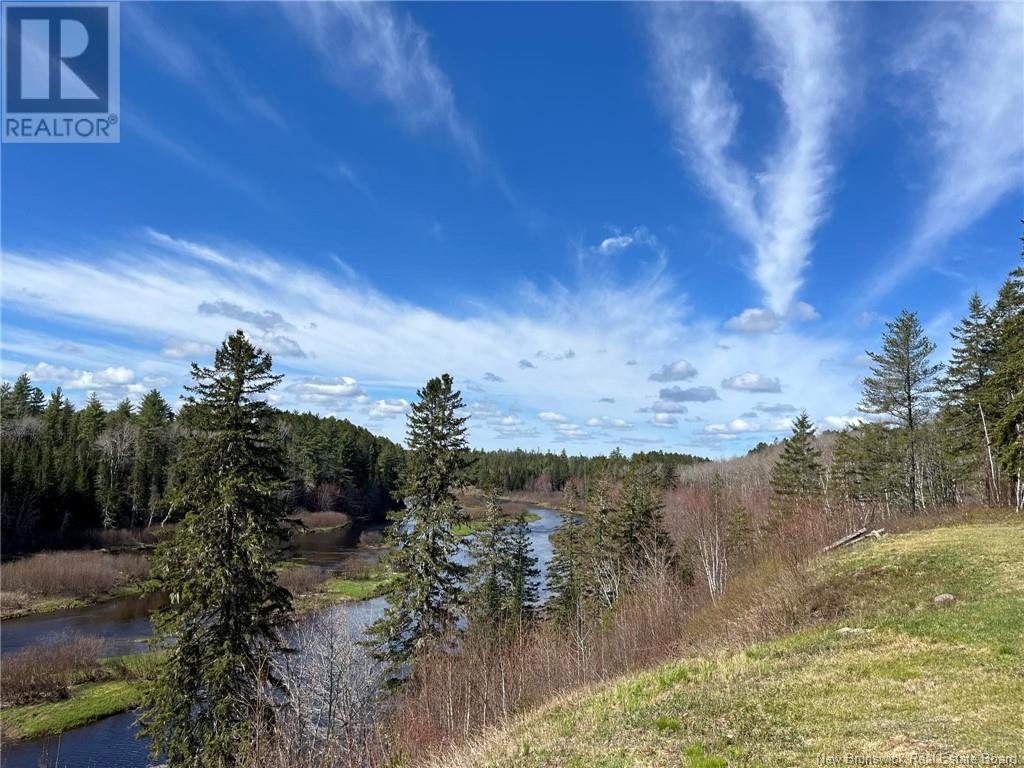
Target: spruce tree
[
  {"x": 1004, "y": 393},
  {"x": 902, "y": 386},
  {"x": 966, "y": 427},
  {"x": 488, "y": 549},
  {"x": 151, "y": 456},
  {"x": 504, "y": 576},
  {"x": 796, "y": 476},
  {"x": 223, "y": 625},
  {"x": 425, "y": 599},
  {"x": 566, "y": 570},
  {"x": 641, "y": 523}
]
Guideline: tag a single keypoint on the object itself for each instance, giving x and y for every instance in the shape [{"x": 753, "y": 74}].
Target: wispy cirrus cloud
[
  {"x": 777, "y": 208},
  {"x": 379, "y": 50},
  {"x": 963, "y": 68},
  {"x": 367, "y": 351}
]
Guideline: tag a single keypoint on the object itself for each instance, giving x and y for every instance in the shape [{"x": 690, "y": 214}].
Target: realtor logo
[{"x": 61, "y": 78}]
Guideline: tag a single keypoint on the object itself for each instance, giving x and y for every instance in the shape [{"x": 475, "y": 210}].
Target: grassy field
[{"x": 896, "y": 675}]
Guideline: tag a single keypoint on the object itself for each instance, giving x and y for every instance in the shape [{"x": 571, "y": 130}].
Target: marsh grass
[{"x": 72, "y": 573}]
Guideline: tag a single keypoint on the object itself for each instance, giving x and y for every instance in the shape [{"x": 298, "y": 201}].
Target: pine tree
[
  {"x": 1004, "y": 393},
  {"x": 488, "y": 576},
  {"x": 796, "y": 476},
  {"x": 504, "y": 591},
  {"x": 566, "y": 568},
  {"x": 965, "y": 423},
  {"x": 524, "y": 577},
  {"x": 149, "y": 472},
  {"x": 425, "y": 600},
  {"x": 641, "y": 520},
  {"x": 902, "y": 385},
  {"x": 226, "y": 611}
]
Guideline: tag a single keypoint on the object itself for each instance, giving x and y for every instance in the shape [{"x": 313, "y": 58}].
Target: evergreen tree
[
  {"x": 902, "y": 385},
  {"x": 965, "y": 423},
  {"x": 504, "y": 575},
  {"x": 796, "y": 476},
  {"x": 227, "y": 611},
  {"x": 1004, "y": 393},
  {"x": 488, "y": 549},
  {"x": 524, "y": 577},
  {"x": 641, "y": 519},
  {"x": 424, "y": 602},
  {"x": 151, "y": 456},
  {"x": 566, "y": 570}
]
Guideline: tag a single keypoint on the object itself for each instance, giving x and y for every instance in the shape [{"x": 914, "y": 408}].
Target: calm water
[{"x": 111, "y": 743}]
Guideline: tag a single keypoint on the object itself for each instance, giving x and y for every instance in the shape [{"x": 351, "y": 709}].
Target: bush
[
  {"x": 323, "y": 519},
  {"x": 302, "y": 580},
  {"x": 72, "y": 574},
  {"x": 45, "y": 672}
]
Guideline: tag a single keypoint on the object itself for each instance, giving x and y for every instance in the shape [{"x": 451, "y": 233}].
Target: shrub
[
  {"x": 45, "y": 672},
  {"x": 71, "y": 573},
  {"x": 323, "y": 519},
  {"x": 302, "y": 580}
]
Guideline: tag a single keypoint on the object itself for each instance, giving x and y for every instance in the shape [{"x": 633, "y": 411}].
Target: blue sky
[{"x": 646, "y": 226}]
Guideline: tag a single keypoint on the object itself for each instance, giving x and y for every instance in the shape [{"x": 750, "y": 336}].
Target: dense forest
[
  {"x": 519, "y": 470},
  {"x": 67, "y": 470}
]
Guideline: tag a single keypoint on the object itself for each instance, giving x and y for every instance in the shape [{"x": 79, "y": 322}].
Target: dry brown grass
[
  {"x": 323, "y": 519},
  {"x": 45, "y": 672},
  {"x": 72, "y": 573},
  {"x": 302, "y": 580}
]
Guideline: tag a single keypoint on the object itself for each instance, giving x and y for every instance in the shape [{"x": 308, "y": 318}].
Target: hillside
[{"x": 891, "y": 672}]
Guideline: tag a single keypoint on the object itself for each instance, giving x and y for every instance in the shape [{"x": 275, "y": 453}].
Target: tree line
[
  {"x": 68, "y": 470},
  {"x": 520, "y": 470},
  {"x": 935, "y": 434}
]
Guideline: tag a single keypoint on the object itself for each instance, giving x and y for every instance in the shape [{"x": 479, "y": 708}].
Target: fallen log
[{"x": 852, "y": 538}]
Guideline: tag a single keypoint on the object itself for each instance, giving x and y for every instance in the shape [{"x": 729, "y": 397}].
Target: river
[{"x": 124, "y": 623}]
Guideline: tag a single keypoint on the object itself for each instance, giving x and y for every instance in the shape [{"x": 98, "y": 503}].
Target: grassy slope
[{"x": 921, "y": 678}]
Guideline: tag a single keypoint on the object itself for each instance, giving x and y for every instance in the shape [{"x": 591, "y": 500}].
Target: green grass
[
  {"x": 355, "y": 589},
  {"x": 112, "y": 686},
  {"x": 920, "y": 678},
  {"x": 88, "y": 702}
]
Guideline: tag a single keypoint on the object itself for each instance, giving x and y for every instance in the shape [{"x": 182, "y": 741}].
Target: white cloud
[
  {"x": 183, "y": 348},
  {"x": 314, "y": 388},
  {"x": 379, "y": 49},
  {"x": 493, "y": 378},
  {"x": 388, "y": 409},
  {"x": 754, "y": 320},
  {"x": 963, "y": 67},
  {"x": 733, "y": 427},
  {"x": 76, "y": 379},
  {"x": 552, "y": 418},
  {"x": 572, "y": 432},
  {"x": 680, "y": 370},
  {"x": 664, "y": 420},
  {"x": 760, "y": 320},
  {"x": 776, "y": 210},
  {"x": 607, "y": 422},
  {"x": 752, "y": 382},
  {"x": 842, "y": 422}
]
